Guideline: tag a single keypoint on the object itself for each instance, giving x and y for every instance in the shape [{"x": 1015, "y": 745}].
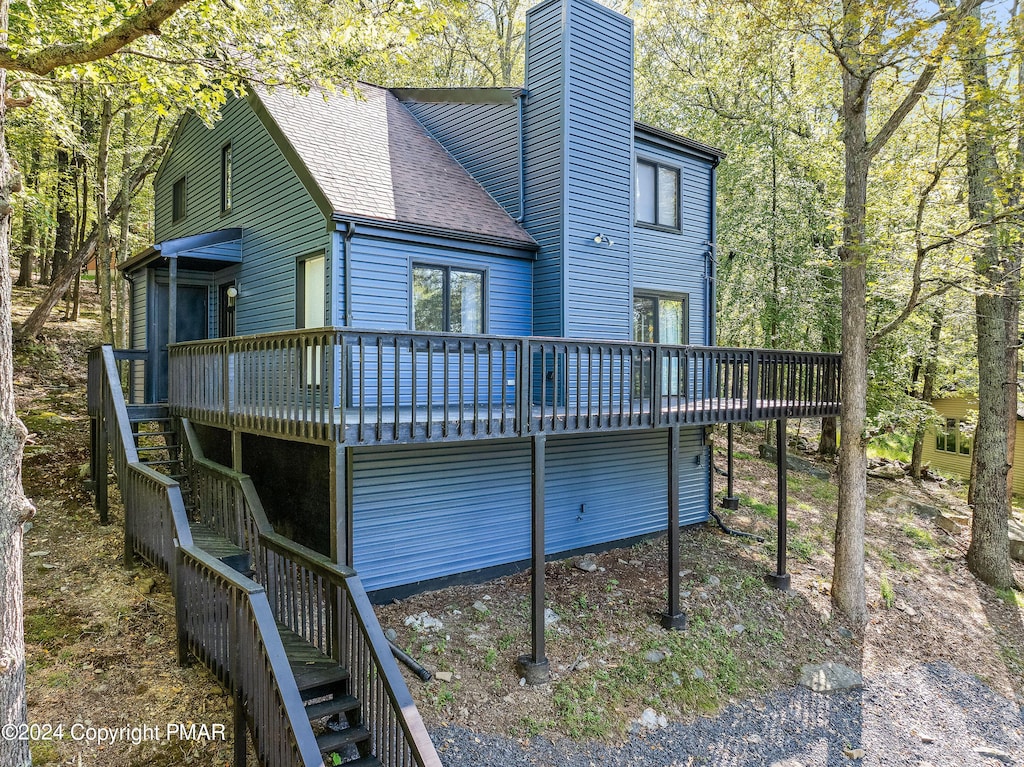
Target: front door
[{"x": 192, "y": 325}]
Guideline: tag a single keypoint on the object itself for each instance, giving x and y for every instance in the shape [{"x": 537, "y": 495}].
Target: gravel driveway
[{"x": 930, "y": 715}]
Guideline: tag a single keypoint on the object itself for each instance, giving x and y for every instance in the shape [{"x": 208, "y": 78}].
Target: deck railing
[
  {"x": 223, "y": 617},
  {"x": 321, "y": 601},
  {"x": 377, "y": 388}
]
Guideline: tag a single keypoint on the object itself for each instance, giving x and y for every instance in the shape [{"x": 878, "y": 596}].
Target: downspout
[
  {"x": 346, "y": 253},
  {"x": 521, "y": 98}
]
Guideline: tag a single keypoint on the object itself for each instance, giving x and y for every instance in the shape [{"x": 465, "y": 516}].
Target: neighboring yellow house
[{"x": 948, "y": 451}]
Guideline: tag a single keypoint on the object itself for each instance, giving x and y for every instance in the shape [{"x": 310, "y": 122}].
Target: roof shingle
[{"x": 372, "y": 158}]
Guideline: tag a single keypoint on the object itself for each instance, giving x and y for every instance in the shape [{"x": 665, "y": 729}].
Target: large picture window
[
  {"x": 955, "y": 438},
  {"x": 446, "y": 299},
  {"x": 657, "y": 194},
  {"x": 661, "y": 319}
]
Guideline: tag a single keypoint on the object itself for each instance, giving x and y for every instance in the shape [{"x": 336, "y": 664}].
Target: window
[
  {"x": 178, "y": 200},
  {"x": 311, "y": 286},
  {"x": 225, "y": 178},
  {"x": 657, "y": 194},
  {"x": 447, "y": 300},
  {"x": 661, "y": 319},
  {"x": 955, "y": 438}
]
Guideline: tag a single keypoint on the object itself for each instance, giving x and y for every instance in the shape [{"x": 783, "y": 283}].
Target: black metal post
[
  {"x": 99, "y": 468},
  {"x": 534, "y": 667},
  {"x": 672, "y": 618},
  {"x": 780, "y": 578},
  {"x": 730, "y": 502}
]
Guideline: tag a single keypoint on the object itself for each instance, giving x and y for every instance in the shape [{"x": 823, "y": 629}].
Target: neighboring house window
[
  {"x": 225, "y": 178},
  {"x": 955, "y": 438},
  {"x": 311, "y": 287},
  {"x": 178, "y": 200},
  {"x": 447, "y": 300},
  {"x": 661, "y": 319},
  {"x": 657, "y": 194}
]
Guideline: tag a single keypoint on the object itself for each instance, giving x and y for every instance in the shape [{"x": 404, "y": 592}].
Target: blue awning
[{"x": 206, "y": 252}]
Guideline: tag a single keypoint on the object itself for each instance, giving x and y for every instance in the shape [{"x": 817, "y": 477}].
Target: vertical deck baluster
[
  {"x": 413, "y": 388},
  {"x": 378, "y": 429},
  {"x": 446, "y": 370},
  {"x": 360, "y": 342},
  {"x": 398, "y": 388},
  {"x": 462, "y": 387},
  {"x": 430, "y": 388}
]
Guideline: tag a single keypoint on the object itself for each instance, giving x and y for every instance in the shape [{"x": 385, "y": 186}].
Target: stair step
[
  {"x": 334, "y": 741},
  {"x": 154, "y": 434},
  {"x": 366, "y": 761},
  {"x": 316, "y": 682},
  {"x": 172, "y": 461},
  {"x": 338, "y": 705},
  {"x": 157, "y": 447},
  {"x": 140, "y": 413}
]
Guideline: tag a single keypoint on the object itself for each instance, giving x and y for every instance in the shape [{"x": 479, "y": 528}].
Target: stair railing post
[
  {"x": 752, "y": 386},
  {"x": 101, "y": 450},
  {"x": 177, "y": 580},
  {"x": 238, "y": 712}
]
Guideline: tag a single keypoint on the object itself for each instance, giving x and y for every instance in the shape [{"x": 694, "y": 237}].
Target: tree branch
[{"x": 45, "y": 60}]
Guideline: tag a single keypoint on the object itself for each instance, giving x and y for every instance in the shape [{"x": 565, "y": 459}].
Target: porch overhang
[{"x": 206, "y": 252}]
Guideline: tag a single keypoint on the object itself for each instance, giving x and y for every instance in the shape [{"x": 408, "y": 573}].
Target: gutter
[
  {"x": 346, "y": 258},
  {"x": 521, "y": 98}
]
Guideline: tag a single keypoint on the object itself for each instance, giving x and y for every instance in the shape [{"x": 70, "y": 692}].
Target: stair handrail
[
  {"x": 237, "y": 653},
  {"x": 343, "y": 584},
  {"x": 146, "y": 489}
]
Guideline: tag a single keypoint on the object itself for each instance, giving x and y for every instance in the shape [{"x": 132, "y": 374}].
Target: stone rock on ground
[
  {"x": 887, "y": 471},
  {"x": 1017, "y": 540},
  {"x": 952, "y": 521},
  {"x": 767, "y": 453},
  {"x": 829, "y": 677}
]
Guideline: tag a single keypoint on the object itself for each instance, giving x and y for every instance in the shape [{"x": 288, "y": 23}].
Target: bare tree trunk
[
  {"x": 103, "y": 223},
  {"x": 989, "y": 554},
  {"x": 927, "y": 390},
  {"x": 15, "y": 509},
  {"x": 848, "y": 591},
  {"x": 121, "y": 285},
  {"x": 29, "y": 228},
  {"x": 65, "y": 231}
]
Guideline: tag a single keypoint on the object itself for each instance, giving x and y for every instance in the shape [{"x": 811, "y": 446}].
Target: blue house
[{"x": 451, "y": 332}]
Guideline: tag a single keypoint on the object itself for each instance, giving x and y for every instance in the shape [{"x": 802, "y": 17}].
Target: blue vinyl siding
[
  {"x": 620, "y": 482},
  {"x": 426, "y": 512},
  {"x": 578, "y": 147},
  {"x": 484, "y": 138},
  {"x": 421, "y": 513},
  {"x": 544, "y": 159},
  {"x": 381, "y": 283},
  {"x": 280, "y": 219},
  {"x": 676, "y": 261}
]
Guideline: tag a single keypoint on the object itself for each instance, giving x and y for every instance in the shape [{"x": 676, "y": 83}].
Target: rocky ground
[{"x": 942, "y": 657}]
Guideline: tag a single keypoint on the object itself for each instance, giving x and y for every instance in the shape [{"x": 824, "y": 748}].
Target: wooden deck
[{"x": 369, "y": 388}]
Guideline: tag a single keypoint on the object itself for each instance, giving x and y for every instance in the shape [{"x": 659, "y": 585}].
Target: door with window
[
  {"x": 663, "y": 319},
  {"x": 311, "y": 311}
]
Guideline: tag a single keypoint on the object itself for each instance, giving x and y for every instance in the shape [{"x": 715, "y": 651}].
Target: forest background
[{"x": 869, "y": 203}]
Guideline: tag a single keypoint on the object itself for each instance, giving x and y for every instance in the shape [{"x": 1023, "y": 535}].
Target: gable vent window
[
  {"x": 178, "y": 200},
  {"x": 447, "y": 300},
  {"x": 657, "y": 195},
  {"x": 225, "y": 179}
]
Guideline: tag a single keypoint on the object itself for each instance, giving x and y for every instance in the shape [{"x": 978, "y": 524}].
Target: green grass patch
[
  {"x": 49, "y": 629},
  {"x": 887, "y": 593},
  {"x": 892, "y": 447},
  {"x": 1011, "y": 597},
  {"x": 922, "y": 539},
  {"x": 895, "y": 562},
  {"x": 802, "y": 548},
  {"x": 768, "y": 510}
]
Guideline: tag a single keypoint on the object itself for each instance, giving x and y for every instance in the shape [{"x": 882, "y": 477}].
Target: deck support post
[
  {"x": 730, "y": 502},
  {"x": 341, "y": 503},
  {"x": 172, "y": 300},
  {"x": 780, "y": 578},
  {"x": 236, "y": 450},
  {"x": 534, "y": 667},
  {"x": 100, "y": 449},
  {"x": 673, "y": 618}
]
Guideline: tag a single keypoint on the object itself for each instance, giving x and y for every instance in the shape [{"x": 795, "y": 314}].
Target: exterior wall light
[{"x": 600, "y": 238}]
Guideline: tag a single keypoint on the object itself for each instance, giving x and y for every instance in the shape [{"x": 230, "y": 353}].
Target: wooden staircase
[{"x": 157, "y": 442}]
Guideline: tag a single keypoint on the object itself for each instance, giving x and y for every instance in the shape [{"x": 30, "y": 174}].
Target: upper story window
[
  {"x": 225, "y": 178},
  {"x": 447, "y": 300},
  {"x": 955, "y": 438},
  {"x": 178, "y": 200},
  {"x": 657, "y": 194}
]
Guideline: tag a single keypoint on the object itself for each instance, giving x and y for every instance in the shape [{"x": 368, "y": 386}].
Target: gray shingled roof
[{"x": 372, "y": 159}]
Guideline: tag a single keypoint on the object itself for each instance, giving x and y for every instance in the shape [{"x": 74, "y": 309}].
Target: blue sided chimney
[{"x": 578, "y": 149}]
